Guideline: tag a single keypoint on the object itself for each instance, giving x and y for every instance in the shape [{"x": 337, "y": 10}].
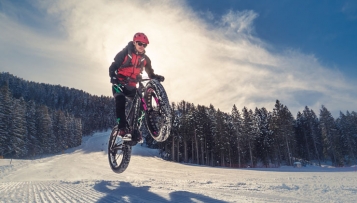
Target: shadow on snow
[{"x": 126, "y": 192}]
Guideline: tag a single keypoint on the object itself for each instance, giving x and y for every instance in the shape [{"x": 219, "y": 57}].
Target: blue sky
[
  {"x": 247, "y": 53},
  {"x": 327, "y": 29}
]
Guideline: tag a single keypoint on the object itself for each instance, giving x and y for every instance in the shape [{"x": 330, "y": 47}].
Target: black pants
[{"x": 128, "y": 91}]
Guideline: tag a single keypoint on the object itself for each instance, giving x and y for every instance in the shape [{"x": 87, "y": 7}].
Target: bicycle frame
[
  {"x": 133, "y": 119},
  {"x": 142, "y": 107}
]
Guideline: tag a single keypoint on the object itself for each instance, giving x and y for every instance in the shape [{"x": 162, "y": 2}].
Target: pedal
[{"x": 126, "y": 137}]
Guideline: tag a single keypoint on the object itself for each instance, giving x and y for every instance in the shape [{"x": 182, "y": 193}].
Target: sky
[
  {"x": 247, "y": 53},
  {"x": 82, "y": 174}
]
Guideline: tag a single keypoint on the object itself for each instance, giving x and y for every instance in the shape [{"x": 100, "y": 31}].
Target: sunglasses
[{"x": 141, "y": 44}]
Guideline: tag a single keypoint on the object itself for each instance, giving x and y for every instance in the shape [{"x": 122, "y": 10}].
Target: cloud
[
  {"x": 239, "y": 21},
  {"x": 221, "y": 62}
]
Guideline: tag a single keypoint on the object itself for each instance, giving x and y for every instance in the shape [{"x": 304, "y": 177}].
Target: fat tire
[
  {"x": 160, "y": 132},
  {"x": 126, "y": 153}
]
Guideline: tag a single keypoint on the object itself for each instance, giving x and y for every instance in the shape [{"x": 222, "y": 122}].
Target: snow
[{"x": 83, "y": 174}]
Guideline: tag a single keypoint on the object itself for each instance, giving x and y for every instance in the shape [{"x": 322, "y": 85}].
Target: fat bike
[{"x": 150, "y": 106}]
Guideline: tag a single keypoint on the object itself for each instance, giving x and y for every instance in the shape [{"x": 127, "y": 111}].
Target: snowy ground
[{"x": 83, "y": 175}]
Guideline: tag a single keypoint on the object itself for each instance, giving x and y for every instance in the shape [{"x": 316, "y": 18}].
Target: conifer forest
[{"x": 38, "y": 119}]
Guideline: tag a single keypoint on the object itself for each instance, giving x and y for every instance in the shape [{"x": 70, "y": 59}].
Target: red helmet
[{"x": 141, "y": 37}]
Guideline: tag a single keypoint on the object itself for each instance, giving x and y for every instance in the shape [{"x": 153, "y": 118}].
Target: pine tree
[
  {"x": 248, "y": 134},
  {"x": 18, "y": 129},
  {"x": 300, "y": 136},
  {"x": 194, "y": 126},
  {"x": 308, "y": 136},
  {"x": 44, "y": 129},
  {"x": 213, "y": 132},
  {"x": 282, "y": 125},
  {"x": 329, "y": 133},
  {"x": 206, "y": 135},
  {"x": 316, "y": 136},
  {"x": 229, "y": 139},
  {"x": 307, "y": 132},
  {"x": 78, "y": 131},
  {"x": 71, "y": 131},
  {"x": 33, "y": 144},
  {"x": 263, "y": 135},
  {"x": 186, "y": 132},
  {"x": 5, "y": 116},
  {"x": 237, "y": 127},
  {"x": 203, "y": 125},
  {"x": 347, "y": 131},
  {"x": 289, "y": 133},
  {"x": 223, "y": 138},
  {"x": 60, "y": 131},
  {"x": 220, "y": 138}
]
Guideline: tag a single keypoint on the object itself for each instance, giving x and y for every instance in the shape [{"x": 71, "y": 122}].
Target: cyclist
[{"x": 127, "y": 66}]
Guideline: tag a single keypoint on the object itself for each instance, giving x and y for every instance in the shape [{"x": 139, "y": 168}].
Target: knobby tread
[
  {"x": 124, "y": 162},
  {"x": 155, "y": 89}
]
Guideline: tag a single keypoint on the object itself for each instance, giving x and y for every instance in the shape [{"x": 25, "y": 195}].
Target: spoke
[
  {"x": 116, "y": 146},
  {"x": 117, "y": 159}
]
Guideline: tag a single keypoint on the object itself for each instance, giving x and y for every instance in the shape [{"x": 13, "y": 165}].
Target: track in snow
[{"x": 90, "y": 191}]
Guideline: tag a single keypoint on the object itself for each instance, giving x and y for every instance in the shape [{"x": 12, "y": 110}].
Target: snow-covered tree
[
  {"x": 330, "y": 136},
  {"x": 249, "y": 136},
  {"x": 18, "y": 129},
  {"x": 282, "y": 125},
  {"x": 5, "y": 119},
  {"x": 33, "y": 144},
  {"x": 264, "y": 139},
  {"x": 348, "y": 131},
  {"x": 237, "y": 127},
  {"x": 44, "y": 129}
]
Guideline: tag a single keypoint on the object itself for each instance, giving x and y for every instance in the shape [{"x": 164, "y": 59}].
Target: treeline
[
  {"x": 41, "y": 118},
  {"x": 259, "y": 138},
  {"x": 96, "y": 112},
  {"x": 28, "y": 129}
]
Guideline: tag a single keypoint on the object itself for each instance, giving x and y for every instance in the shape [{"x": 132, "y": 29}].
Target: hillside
[
  {"x": 83, "y": 174},
  {"x": 38, "y": 118},
  {"x": 96, "y": 112}
]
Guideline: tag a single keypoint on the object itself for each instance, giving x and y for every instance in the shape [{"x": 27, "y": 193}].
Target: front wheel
[
  {"x": 119, "y": 153},
  {"x": 158, "y": 117}
]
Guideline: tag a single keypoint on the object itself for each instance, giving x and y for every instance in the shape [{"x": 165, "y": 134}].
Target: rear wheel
[
  {"x": 158, "y": 117},
  {"x": 119, "y": 152}
]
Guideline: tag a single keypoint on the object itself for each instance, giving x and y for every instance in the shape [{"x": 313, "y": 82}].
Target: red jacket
[{"x": 123, "y": 67}]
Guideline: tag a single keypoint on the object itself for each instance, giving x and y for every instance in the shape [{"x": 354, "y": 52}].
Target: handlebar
[{"x": 138, "y": 79}]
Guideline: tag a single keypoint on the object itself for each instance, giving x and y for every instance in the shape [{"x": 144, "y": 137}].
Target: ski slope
[{"x": 83, "y": 175}]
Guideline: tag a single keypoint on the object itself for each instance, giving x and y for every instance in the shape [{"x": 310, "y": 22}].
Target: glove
[
  {"x": 159, "y": 78},
  {"x": 114, "y": 80}
]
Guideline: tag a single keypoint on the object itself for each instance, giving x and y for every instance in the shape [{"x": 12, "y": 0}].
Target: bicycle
[{"x": 149, "y": 105}]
